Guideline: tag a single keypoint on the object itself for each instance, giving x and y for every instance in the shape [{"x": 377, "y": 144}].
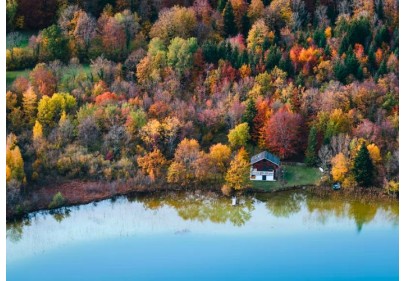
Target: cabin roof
[{"x": 265, "y": 155}]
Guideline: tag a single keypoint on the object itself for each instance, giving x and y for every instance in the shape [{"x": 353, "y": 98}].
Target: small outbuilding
[{"x": 264, "y": 167}]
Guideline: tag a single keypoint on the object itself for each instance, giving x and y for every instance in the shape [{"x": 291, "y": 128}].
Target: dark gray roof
[{"x": 265, "y": 155}]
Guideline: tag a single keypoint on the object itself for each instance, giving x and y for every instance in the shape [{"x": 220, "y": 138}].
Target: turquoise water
[{"x": 285, "y": 236}]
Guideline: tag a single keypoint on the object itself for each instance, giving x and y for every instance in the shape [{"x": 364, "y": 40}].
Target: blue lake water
[{"x": 200, "y": 236}]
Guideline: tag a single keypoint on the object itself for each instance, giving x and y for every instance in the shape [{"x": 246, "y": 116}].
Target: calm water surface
[{"x": 200, "y": 236}]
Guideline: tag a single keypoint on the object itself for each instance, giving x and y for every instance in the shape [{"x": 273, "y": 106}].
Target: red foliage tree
[
  {"x": 113, "y": 37},
  {"x": 43, "y": 80},
  {"x": 283, "y": 133},
  {"x": 106, "y": 98}
]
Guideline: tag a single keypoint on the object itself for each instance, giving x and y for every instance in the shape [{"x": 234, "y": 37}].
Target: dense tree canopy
[{"x": 171, "y": 91}]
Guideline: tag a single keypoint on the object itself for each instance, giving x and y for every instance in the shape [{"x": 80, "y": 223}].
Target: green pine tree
[
  {"x": 234, "y": 58},
  {"x": 310, "y": 153},
  {"x": 221, "y": 5},
  {"x": 229, "y": 20},
  {"x": 245, "y": 25},
  {"x": 351, "y": 62},
  {"x": 382, "y": 69},
  {"x": 250, "y": 114},
  {"x": 273, "y": 58},
  {"x": 380, "y": 10},
  {"x": 372, "y": 64},
  {"x": 244, "y": 57},
  {"x": 340, "y": 71},
  {"x": 363, "y": 168},
  {"x": 210, "y": 52}
]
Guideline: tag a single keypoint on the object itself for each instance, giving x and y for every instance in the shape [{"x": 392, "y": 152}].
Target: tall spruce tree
[
  {"x": 245, "y": 25},
  {"x": 250, "y": 114},
  {"x": 363, "y": 168},
  {"x": 229, "y": 20},
  {"x": 221, "y": 5},
  {"x": 310, "y": 153}
]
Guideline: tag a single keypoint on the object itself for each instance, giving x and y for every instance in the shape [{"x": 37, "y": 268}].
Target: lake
[{"x": 200, "y": 236}]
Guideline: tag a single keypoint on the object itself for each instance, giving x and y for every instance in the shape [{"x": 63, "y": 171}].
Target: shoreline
[{"x": 79, "y": 192}]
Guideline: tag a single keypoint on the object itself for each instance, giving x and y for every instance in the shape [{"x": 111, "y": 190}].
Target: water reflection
[
  {"x": 362, "y": 213},
  {"x": 15, "y": 229},
  {"x": 325, "y": 208},
  {"x": 283, "y": 204},
  {"x": 201, "y": 206},
  {"x": 60, "y": 214},
  {"x": 176, "y": 211}
]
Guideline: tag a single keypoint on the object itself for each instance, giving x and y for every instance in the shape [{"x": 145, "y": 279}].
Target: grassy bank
[{"x": 293, "y": 176}]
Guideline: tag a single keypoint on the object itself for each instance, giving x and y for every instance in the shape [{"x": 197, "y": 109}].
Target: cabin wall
[
  {"x": 260, "y": 178},
  {"x": 264, "y": 165},
  {"x": 263, "y": 170}
]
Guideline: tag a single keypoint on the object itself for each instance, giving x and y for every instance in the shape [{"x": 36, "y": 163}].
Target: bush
[
  {"x": 57, "y": 201},
  {"x": 19, "y": 58}
]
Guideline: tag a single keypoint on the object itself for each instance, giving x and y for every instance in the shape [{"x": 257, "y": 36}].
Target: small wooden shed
[{"x": 264, "y": 167}]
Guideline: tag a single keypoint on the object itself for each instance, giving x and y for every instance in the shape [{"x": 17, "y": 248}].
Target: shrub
[
  {"x": 19, "y": 58},
  {"x": 57, "y": 201}
]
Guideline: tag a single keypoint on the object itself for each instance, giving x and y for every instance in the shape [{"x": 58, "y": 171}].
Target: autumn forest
[{"x": 184, "y": 92}]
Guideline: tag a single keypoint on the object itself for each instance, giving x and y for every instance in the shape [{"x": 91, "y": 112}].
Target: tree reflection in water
[
  {"x": 362, "y": 212},
  {"x": 14, "y": 230},
  {"x": 283, "y": 204},
  {"x": 325, "y": 208},
  {"x": 60, "y": 214},
  {"x": 203, "y": 206},
  {"x": 200, "y": 206}
]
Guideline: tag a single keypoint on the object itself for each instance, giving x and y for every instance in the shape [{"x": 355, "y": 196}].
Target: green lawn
[
  {"x": 293, "y": 176},
  {"x": 12, "y": 75}
]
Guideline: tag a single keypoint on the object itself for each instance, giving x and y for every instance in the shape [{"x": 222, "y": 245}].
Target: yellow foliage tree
[
  {"x": 37, "y": 132},
  {"x": 255, "y": 10},
  {"x": 257, "y": 35},
  {"x": 239, "y": 135},
  {"x": 151, "y": 132},
  {"x": 220, "y": 155},
  {"x": 29, "y": 105},
  {"x": 14, "y": 161},
  {"x": 153, "y": 164},
  {"x": 392, "y": 186},
  {"x": 8, "y": 173},
  {"x": 374, "y": 153},
  {"x": 245, "y": 71},
  {"x": 340, "y": 167},
  {"x": 177, "y": 173},
  {"x": 237, "y": 176},
  {"x": 328, "y": 32}
]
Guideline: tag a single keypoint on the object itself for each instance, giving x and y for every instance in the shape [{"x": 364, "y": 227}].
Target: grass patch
[
  {"x": 13, "y": 74},
  {"x": 293, "y": 176}
]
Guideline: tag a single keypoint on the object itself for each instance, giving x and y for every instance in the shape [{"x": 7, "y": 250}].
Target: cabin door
[{"x": 263, "y": 178}]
